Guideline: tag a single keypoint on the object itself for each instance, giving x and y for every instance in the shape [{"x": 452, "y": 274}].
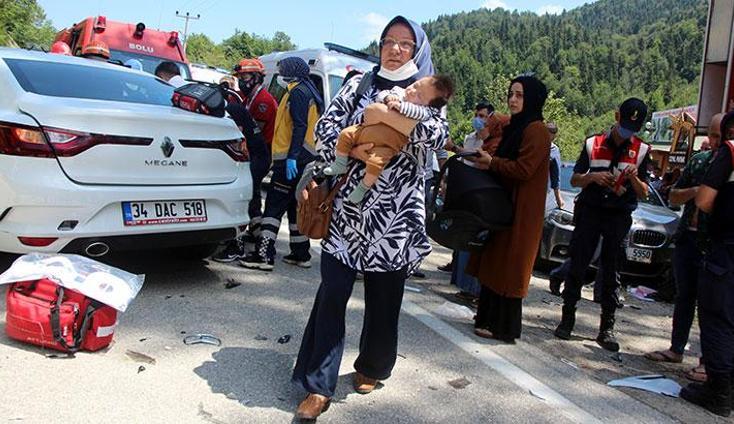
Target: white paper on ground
[
  {"x": 106, "y": 284},
  {"x": 650, "y": 383}
]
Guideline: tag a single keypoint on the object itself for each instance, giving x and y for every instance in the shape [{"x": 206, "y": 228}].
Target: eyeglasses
[{"x": 404, "y": 45}]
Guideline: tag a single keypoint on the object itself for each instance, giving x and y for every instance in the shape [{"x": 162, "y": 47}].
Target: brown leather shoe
[
  {"x": 313, "y": 406},
  {"x": 363, "y": 385}
]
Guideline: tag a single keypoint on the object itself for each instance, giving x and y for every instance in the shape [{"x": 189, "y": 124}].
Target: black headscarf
[
  {"x": 726, "y": 121},
  {"x": 534, "y": 96},
  {"x": 421, "y": 55}
]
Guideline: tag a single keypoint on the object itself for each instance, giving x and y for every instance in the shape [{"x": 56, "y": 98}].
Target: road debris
[
  {"x": 202, "y": 339},
  {"x": 231, "y": 283},
  {"x": 656, "y": 383},
  {"x": 260, "y": 338},
  {"x": 459, "y": 383},
  {"x": 140, "y": 357},
  {"x": 532, "y": 393},
  {"x": 285, "y": 339},
  {"x": 642, "y": 293},
  {"x": 455, "y": 311},
  {"x": 569, "y": 363},
  {"x": 141, "y": 369},
  {"x": 143, "y": 339},
  {"x": 413, "y": 289}
]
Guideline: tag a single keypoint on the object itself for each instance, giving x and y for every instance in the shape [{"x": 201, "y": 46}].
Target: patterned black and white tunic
[{"x": 386, "y": 231}]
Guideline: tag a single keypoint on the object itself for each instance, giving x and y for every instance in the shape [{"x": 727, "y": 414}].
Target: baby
[{"x": 418, "y": 102}]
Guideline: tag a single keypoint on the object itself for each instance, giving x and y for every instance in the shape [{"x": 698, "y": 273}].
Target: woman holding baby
[{"x": 382, "y": 236}]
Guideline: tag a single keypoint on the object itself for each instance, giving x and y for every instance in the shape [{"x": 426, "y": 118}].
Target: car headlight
[{"x": 561, "y": 217}]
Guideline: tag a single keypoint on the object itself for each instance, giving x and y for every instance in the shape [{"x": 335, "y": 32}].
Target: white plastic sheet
[
  {"x": 452, "y": 310},
  {"x": 650, "y": 383},
  {"x": 104, "y": 283}
]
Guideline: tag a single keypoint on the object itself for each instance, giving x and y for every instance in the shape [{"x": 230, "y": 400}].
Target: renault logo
[{"x": 167, "y": 147}]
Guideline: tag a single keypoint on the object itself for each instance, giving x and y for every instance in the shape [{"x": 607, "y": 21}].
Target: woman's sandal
[
  {"x": 664, "y": 356},
  {"x": 697, "y": 374},
  {"x": 483, "y": 333}
]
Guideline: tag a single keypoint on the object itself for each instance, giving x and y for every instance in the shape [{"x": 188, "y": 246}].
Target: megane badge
[{"x": 167, "y": 147}]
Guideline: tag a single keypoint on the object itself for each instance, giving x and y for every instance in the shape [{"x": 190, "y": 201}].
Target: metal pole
[{"x": 186, "y": 17}]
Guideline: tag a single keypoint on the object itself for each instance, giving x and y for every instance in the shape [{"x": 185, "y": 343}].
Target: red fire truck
[{"x": 128, "y": 41}]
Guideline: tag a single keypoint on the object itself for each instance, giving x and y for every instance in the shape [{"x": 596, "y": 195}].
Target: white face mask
[
  {"x": 283, "y": 81},
  {"x": 402, "y": 73}
]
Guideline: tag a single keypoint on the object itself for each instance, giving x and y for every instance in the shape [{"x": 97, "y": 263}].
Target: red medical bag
[{"x": 44, "y": 313}]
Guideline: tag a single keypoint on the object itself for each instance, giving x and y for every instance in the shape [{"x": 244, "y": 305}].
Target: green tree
[
  {"x": 23, "y": 23},
  {"x": 200, "y": 49}
]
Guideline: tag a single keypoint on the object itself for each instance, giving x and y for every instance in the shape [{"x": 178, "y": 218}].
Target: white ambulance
[{"x": 329, "y": 66}]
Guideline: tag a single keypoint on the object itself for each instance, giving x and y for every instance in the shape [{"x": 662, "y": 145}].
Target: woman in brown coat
[{"x": 505, "y": 265}]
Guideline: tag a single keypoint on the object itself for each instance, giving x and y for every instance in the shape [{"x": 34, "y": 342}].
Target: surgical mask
[
  {"x": 624, "y": 132},
  {"x": 246, "y": 86},
  {"x": 284, "y": 81},
  {"x": 401, "y": 74},
  {"x": 477, "y": 123}
]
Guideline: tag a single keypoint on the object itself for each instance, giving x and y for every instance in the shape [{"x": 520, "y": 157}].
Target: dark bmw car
[{"x": 647, "y": 248}]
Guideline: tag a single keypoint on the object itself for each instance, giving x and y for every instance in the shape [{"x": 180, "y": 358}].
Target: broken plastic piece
[
  {"x": 642, "y": 293},
  {"x": 569, "y": 363},
  {"x": 231, "y": 284},
  {"x": 202, "y": 339},
  {"x": 285, "y": 339},
  {"x": 651, "y": 383},
  {"x": 459, "y": 383},
  {"x": 140, "y": 357}
]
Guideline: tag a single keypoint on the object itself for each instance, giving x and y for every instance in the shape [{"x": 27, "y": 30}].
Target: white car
[{"x": 93, "y": 159}]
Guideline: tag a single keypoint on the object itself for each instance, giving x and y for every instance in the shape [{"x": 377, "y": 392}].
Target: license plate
[
  {"x": 639, "y": 255},
  {"x": 163, "y": 212}
]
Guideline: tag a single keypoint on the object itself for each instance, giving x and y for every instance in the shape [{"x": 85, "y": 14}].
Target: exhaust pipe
[{"x": 97, "y": 249}]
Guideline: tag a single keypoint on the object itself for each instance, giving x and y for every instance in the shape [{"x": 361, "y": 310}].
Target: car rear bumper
[
  {"x": 35, "y": 202},
  {"x": 152, "y": 241}
]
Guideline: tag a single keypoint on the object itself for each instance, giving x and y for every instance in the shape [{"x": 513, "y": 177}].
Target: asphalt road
[{"x": 247, "y": 378}]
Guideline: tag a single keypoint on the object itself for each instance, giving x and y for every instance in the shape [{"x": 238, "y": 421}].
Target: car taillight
[
  {"x": 236, "y": 148},
  {"x": 23, "y": 140},
  {"x": 37, "y": 241}
]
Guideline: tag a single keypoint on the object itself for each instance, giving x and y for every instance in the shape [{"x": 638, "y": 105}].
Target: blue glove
[{"x": 291, "y": 170}]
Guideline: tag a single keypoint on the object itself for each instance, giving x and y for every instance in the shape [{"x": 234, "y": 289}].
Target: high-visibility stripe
[
  {"x": 272, "y": 222},
  {"x": 298, "y": 239},
  {"x": 293, "y": 227},
  {"x": 600, "y": 163},
  {"x": 267, "y": 234}
]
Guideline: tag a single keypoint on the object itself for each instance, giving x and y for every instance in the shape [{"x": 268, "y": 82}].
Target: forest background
[{"x": 591, "y": 58}]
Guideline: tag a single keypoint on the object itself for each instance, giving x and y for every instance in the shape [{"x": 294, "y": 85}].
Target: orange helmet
[
  {"x": 60, "y": 47},
  {"x": 96, "y": 48},
  {"x": 249, "y": 66}
]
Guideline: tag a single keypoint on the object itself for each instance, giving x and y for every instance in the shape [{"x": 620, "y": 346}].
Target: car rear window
[{"x": 88, "y": 82}]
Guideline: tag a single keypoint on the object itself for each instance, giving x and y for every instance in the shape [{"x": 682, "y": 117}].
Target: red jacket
[{"x": 263, "y": 109}]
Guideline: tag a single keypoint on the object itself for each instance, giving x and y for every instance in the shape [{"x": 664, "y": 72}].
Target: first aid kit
[
  {"x": 200, "y": 97},
  {"x": 44, "y": 313}
]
